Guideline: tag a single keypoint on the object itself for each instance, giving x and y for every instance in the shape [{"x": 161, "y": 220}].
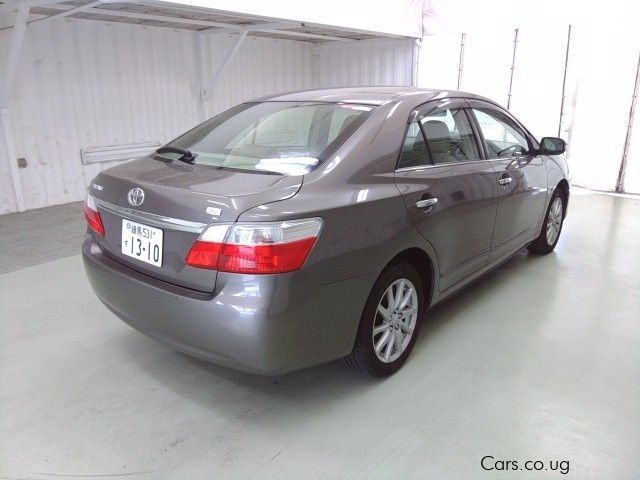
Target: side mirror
[{"x": 552, "y": 146}]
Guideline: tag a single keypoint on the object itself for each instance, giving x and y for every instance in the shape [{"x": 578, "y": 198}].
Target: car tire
[
  {"x": 405, "y": 284},
  {"x": 551, "y": 227}
]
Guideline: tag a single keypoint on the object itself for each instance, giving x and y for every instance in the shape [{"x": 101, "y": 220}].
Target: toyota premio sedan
[{"x": 306, "y": 227}]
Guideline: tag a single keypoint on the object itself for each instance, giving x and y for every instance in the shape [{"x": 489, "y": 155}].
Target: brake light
[
  {"x": 258, "y": 248},
  {"x": 92, "y": 215}
]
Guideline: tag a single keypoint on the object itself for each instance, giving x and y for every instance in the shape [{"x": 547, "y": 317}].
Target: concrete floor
[
  {"x": 539, "y": 360},
  {"x": 21, "y": 235}
]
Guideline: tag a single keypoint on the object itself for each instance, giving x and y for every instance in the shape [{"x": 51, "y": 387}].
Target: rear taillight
[
  {"x": 92, "y": 215},
  {"x": 255, "y": 248}
]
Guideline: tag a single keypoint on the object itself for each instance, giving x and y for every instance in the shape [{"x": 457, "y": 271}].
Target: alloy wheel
[
  {"x": 554, "y": 221},
  {"x": 395, "y": 320}
]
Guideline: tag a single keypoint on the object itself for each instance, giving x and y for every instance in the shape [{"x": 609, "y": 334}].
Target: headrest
[
  {"x": 438, "y": 136},
  {"x": 348, "y": 121}
]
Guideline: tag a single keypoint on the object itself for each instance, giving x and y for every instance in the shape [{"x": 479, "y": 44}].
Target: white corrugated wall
[
  {"x": 84, "y": 85},
  {"x": 87, "y": 84},
  {"x": 92, "y": 84},
  {"x": 374, "y": 62},
  {"x": 261, "y": 67}
]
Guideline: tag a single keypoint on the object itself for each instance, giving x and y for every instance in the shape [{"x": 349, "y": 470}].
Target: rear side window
[
  {"x": 289, "y": 138},
  {"x": 414, "y": 150},
  {"x": 449, "y": 136}
]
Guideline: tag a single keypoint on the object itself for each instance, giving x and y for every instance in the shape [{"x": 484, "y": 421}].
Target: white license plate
[{"x": 142, "y": 242}]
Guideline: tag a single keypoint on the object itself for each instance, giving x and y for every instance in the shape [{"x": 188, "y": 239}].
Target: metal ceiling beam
[
  {"x": 270, "y": 23},
  {"x": 63, "y": 12},
  {"x": 267, "y": 27},
  {"x": 215, "y": 27},
  {"x": 66, "y": 13},
  {"x": 364, "y": 41},
  {"x": 260, "y": 27},
  {"x": 163, "y": 18},
  {"x": 147, "y": 16},
  {"x": 279, "y": 26},
  {"x": 301, "y": 34},
  {"x": 248, "y": 28},
  {"x": 276, "y": 27},
  {"x": 204, "y": 10},
  {"x": 30, "y": 3},
  {"x": 357, "y": 31},
  {"x": 12, "y": 5},
  {"x": 216, "y": 31}
]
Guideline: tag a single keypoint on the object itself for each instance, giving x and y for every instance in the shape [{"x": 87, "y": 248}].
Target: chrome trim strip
[
  {"x": 453, "y": 164},
  {"x": 449, "y": 164},
  {"x": 152, "y": 219}
]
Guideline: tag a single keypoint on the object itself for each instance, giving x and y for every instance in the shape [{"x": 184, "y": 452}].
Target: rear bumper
[{"x": 266, "y": 324}]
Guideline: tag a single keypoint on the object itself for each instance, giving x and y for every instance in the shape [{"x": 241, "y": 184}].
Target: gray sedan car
[{"x": 305, "y": 227}]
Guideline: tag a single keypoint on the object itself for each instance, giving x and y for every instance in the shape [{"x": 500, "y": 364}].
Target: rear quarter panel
[{"x": 366, "y": 222}]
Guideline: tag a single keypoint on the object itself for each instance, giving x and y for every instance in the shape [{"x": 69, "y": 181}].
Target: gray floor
[
  {"x": 40, "y": 235},
  {"x": 540, "y": 360}
]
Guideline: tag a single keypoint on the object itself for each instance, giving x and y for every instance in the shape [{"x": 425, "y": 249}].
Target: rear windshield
[{"x": 288, "y": 138}]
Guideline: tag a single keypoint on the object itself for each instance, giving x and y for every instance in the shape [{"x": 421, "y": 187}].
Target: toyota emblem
[{"x": 135, "y": 197}]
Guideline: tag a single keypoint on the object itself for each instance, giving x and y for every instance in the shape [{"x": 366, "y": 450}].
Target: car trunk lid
[{"x": 180, "y": 199}]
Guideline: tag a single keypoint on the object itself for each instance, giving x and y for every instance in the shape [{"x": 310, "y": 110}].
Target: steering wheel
[
  {"x": 510, "y": 147},
  {"x": 457, "y": 146}
]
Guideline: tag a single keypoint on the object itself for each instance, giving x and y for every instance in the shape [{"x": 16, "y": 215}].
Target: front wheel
[
  {"x": 390, "y": 322},
  {"x": 552, "y": 226}
]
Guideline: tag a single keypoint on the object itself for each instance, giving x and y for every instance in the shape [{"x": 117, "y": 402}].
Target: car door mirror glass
[{"x": 552, "y": 146}]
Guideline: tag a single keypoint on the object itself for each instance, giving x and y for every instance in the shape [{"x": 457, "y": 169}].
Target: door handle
[
  {"x": 505, "y": 180},
  {"x": 427, "y": 202}
]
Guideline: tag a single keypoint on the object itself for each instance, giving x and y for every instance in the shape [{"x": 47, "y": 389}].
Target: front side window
[
  {"x": 502, "y": 138},
  {"x": 289, "y": 138},
  {"x": 449, "y": 136}
]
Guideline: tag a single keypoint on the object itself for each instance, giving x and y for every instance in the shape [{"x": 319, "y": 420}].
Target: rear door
[
  {"x": 448, "y": 189},
  {"x": 520, "y": 175}
]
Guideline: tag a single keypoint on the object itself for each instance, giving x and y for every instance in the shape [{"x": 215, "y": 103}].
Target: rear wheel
[
  {"x": 546, "y": 242},
  {"x": 390, "y": 322}
]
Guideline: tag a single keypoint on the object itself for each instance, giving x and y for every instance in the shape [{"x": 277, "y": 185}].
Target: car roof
[{"x": 368, "y": 95}]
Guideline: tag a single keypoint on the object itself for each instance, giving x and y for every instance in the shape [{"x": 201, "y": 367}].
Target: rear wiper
[{"x": 185, "y": 155}]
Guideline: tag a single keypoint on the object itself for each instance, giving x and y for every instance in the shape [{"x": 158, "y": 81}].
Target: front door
[
  {"x": 520, "y": 175},
  {"x": 449, "y": 191}
]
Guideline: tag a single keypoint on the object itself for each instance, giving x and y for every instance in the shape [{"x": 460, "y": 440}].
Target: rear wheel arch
[{"x": 420, "y": 260}]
